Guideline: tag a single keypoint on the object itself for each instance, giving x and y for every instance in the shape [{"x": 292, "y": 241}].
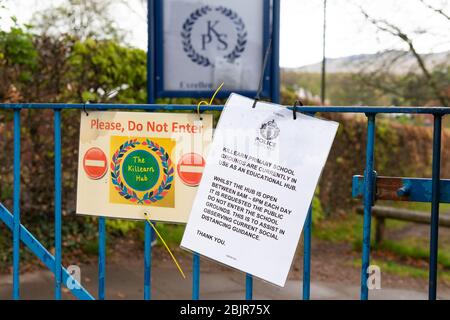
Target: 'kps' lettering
[{"x": 207, "y": 37}]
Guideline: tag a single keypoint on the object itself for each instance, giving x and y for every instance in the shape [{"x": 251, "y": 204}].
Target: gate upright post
[
  {"x": 148, "y": 260},
  {"x": 435, "y": 195},
  {"x": 369, "y": 180},
  {"x": 101, "y": 257},
  {"x": 195, "y": 276},
  {"x": 16, "y": 207},
  {"x": 307, "y": 248},
  {"x": 58, "y": 202},
  {"x": 248, "y": 286},
  {"x": 307, "y": 255}
]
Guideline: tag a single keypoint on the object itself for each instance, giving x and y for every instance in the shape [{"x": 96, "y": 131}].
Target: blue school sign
[{"x": 195, "y": 46}]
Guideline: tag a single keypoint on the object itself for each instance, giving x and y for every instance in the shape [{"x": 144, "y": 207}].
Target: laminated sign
[
  {"x": 133, "y": 162},
  {"x": 257, "y": 186}
]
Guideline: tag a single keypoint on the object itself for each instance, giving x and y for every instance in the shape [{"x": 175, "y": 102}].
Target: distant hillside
[{"x": 399, "y": 62}]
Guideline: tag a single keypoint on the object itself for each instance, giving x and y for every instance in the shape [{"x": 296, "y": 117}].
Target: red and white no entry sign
[
  {"x": 95, "y": 163},
  {"x": 190, "y": 169}
]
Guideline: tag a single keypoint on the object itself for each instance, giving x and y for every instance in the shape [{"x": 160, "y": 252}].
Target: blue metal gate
[{"x": 425, "y": 190}]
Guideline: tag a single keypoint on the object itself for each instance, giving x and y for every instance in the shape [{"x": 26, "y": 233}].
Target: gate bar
[
  {"x": 307, "y": 247},
  {"x": 434, "y": 226},
  {"x": 195, "y": 276},
  {"x": 307, "y": 255},
  {"x": 16, "y": 207},
  {"x": 248, "y": 286},
  {"x": 180, "y": 107},
  {"x": 101, "y": 257},
  {"x": 368, "y": 202},
  {"x": 58, "y": 199},
  {"x": 373, "y": 110},
  {"x": 43, "y": 255},
  {"x": 111, "y": 106},
  {"x": 403, "y": 189},
  {"x": 148, "y": 234}
]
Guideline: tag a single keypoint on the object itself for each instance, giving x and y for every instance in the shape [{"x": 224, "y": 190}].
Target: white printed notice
[{"x": 257, "y": 186}]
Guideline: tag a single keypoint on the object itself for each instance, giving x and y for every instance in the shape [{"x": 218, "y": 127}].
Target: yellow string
[
  {"x": 167, "y": 247},
  {"x": 210, "y": 101}
]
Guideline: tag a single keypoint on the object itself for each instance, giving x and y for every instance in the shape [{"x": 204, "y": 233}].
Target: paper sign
[
  {"x": 257, "y": 186},
  {"x": 136, "y": 162}
]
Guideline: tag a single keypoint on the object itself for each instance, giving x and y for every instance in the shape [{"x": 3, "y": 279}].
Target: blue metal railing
[
  {"x": 42, "y": 254},
  {"x": 307, "y": 255},
  {"x": 196, "y": 276},
  {"x": 53, "y": 263},
  {"x": 148, "y": 261},
  {"x": 368, "y": 203},
  {"x": 16, "y": 205},
  {"x": 58, "y": 203},
  {"x": 101, "y": 257},
  {"x": 435, "y": 199}
]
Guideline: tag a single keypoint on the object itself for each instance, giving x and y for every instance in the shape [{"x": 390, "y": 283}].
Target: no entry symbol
[
  {"x": 190, "y": 169},
  {"x": 95, "y": 163}
]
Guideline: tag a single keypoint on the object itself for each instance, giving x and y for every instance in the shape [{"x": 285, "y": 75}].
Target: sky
[{"x": 348, "y": 33}]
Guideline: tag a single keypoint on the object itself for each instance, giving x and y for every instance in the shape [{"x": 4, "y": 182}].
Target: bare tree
[{"x": 395, "y": 31}]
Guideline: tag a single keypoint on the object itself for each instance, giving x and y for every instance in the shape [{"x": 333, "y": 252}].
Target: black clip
[
  {"x": 84, "y": 108},
  {"x": 294, "y": 108}
]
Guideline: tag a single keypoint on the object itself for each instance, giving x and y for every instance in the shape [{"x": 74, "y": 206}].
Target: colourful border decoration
[{"x": 156, "y": 193}]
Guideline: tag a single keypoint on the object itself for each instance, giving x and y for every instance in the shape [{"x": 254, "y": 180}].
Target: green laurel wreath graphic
[
  {"x": 199, "y": 59},
  {"x": 156, "y": 193}
]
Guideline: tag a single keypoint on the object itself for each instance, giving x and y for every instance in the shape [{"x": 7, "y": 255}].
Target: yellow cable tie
[
  {"x": 211, "y": 100},
  {"x": 165, "y": 244}
]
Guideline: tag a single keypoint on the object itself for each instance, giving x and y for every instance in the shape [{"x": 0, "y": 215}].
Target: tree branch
[
  {"x": 395, "y": 31},
  {"x": 440, "y": 11}
]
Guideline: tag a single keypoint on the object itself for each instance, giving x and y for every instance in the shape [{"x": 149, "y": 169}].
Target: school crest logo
[{"x": 210, "y": 32}]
